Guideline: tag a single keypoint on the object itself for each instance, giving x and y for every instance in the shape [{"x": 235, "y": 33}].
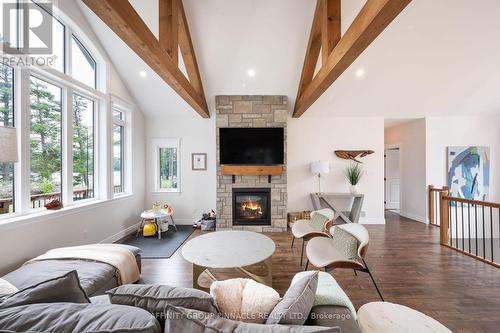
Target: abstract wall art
[{"x": 469, "y": 172}]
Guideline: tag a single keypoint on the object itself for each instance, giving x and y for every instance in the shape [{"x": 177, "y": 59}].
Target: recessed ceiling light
[
  {"x": 251, "y": 72},
  {"x": 143, "y": 73},
  {"x": 360, "y": 72}
]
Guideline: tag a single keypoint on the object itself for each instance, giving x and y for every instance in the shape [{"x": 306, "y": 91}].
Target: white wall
[
  {"x": 312, "y": 138},
  {"x": 410, "y": 138},
  {"x": 21, "y": 240},
  {"x": 443, "y": 132},
  {"x": 309, "y": 139},
  {"x": 198, "y": 188}
]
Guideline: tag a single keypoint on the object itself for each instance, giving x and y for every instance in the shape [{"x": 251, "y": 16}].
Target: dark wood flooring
[{"x": 410, "y": 268}]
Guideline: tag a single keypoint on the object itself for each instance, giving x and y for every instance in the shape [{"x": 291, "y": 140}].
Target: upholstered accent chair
[
  {"x": 321, "y": 220},
  {"x": 346, "y": 248}
]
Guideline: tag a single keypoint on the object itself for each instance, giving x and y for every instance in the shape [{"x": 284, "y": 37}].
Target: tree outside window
[
  {"x": 83, "y": 148},
  {"x": 168, "y": 168},
  {"x": 45, "y": 139}
]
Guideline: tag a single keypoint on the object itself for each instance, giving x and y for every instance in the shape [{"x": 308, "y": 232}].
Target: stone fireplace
[
  {"x": 252, "y": 206},
  {"x": 244, "y": 199}
]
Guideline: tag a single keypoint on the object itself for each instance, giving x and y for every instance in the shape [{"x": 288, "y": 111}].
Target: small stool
[{"x": 385, "y": 317}]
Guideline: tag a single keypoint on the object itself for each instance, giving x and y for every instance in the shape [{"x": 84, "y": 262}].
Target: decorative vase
[{"x": 354, "y": 189}]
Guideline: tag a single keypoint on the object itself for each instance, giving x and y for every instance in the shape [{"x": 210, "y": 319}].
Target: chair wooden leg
[
  {"x": 373, "y": 280},
  {"x": 307, "y": 265},
  {"x": 355, "y": 273},
  {"x": 293, "y": 240},
  {"x": 302, "y": 252}
]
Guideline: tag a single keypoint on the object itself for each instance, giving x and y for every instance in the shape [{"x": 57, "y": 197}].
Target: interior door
[{"x": 392, "y": 179}]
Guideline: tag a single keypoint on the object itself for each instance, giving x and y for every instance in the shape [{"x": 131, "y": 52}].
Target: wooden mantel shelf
[{"x": 264, "y": 170}]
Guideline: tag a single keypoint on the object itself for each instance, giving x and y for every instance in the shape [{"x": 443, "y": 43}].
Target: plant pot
[{"x": 354, "y": 189}]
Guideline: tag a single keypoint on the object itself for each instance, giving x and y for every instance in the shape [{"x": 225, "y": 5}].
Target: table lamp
[
  {"x": 8, "y": 145},
  {"x": 318, "y": 168}
]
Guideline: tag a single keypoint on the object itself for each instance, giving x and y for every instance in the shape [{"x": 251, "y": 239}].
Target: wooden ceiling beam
[
  {"x": 373, "y": 18},
  {"x": 188, "y": 54},
  {"x": 169, "y": 27},
  {"x": 312, "y": 52},
  {"x": 122, "y": 18},
  {"x": 330, "y": 27}
]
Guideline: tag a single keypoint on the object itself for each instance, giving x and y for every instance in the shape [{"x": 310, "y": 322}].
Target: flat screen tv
[{"x": 251, "y": 146}]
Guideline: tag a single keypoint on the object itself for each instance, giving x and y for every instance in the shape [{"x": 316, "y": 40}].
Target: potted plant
[{"x": 353, "y": 173}]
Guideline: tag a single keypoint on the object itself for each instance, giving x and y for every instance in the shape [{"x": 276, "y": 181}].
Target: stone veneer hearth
[{"x": 251, "y": 111}]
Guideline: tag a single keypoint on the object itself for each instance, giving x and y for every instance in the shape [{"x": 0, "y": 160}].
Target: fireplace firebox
[{"x": 251, "y": 206}]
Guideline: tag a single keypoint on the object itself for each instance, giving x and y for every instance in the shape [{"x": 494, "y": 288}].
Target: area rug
[{"x": 154, "y": 248}]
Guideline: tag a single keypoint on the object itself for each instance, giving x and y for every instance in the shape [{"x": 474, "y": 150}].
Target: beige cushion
[
  {"x": 244, "y": 299},
  {"x": 385, "y": 317},
  {"x": 321, "y": 252}
]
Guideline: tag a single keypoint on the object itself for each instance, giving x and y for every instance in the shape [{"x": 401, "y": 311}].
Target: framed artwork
[
  {"x": 199, "y": 161},
  {"x": 469, "y": 172}
]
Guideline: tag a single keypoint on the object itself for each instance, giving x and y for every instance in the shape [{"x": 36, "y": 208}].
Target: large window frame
[
  {"x": 157, "y": 145},
  {"x": 102, "y": 129}
]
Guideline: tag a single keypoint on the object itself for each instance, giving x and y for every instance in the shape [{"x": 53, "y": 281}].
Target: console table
[{"x": 326, "y": 200}]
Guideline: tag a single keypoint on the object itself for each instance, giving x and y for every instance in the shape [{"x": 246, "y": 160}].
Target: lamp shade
[
  {"x": 320, "y": 167},
  {"x": 8, "y": 145}
]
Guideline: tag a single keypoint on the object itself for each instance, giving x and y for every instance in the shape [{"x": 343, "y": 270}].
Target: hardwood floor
[{"x": 406, "y": 260}]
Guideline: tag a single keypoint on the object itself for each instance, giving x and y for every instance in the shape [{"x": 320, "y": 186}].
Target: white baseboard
[
  {"x": 121, "y": 234},
  {"x": 371, "y": 220},
  {"x": 413, "y": 217}
]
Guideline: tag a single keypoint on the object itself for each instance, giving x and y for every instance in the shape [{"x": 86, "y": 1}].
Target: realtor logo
[{"x": 27, "y": 28}]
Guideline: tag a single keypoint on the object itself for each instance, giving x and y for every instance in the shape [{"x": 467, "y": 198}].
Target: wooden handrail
[
  {"x": 431, "y": 200},
  {"x": 474, "y": 202},
  {"x": 5, "y": 202}
]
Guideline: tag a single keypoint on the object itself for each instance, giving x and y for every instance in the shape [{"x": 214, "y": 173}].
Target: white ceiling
[{"x": 439, "y": 57}]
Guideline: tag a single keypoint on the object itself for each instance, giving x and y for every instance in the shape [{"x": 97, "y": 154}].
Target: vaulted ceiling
[{"x": 438, "y": 57}]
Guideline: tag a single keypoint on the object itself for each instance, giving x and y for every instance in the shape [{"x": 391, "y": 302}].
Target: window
[
  {"x": 63, "y": 126},
  {"x": 83, "y": 147},
  {"x": 82, "y": 64},
  {"x": 166, "y": 155},
  {"x": 6, "y": 119},
  {"x": 45, "y": 141},
  {"x": 168, "y": 169},
  {"x": 58, "y": 35},
  {"x": 118, "y": 152},
  {"x": 58, "y": 32}
]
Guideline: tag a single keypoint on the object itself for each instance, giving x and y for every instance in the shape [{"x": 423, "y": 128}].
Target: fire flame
[{"x": 252, "y": 205}]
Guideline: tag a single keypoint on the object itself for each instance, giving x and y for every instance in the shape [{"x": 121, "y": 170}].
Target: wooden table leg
[
  {"x": 266, "y": 279},
  {"x": 197, "y": 272}
]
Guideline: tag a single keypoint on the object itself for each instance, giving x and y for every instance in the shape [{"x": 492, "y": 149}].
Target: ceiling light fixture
[
  {"x": 251, "y": 72},
  {"x": 360, "y": 72},
  {"x": 143, "y": 73}
]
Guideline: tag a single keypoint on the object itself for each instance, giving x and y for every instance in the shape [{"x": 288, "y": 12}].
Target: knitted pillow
[
  {"x": 346, "y": 243},
  {"x": 244, "y": 299},
  {"x": 317, "y": 221}
]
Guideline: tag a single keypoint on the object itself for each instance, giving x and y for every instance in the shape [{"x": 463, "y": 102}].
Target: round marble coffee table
[{"x": 229, "y": 249}]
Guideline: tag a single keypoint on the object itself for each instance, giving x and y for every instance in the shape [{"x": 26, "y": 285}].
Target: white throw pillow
[
  {"x": 6, "y": 288},
  {"x": 244, "y": 299}
]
